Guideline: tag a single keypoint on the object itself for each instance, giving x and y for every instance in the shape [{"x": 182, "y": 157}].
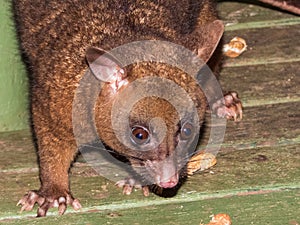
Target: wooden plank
[
  {"x": 270, "y": 155},
  {"x": 267, "y": 46},
  {"x": 263, "y": 24},
  {"x": 278, "y": 122},
  {"x": 17, "y": 152},
  {"x": 256, "y": 180},
  {"x": 236, "y": 171},
  {"x": 233, "y": 13},
  {"x": 263, "y": 84},
  {"x": 249, "y": 168},
  {"x": 265, "y": 125},
  {"x": 268, "y": 207},
  {"x": 13, "y": 80}
]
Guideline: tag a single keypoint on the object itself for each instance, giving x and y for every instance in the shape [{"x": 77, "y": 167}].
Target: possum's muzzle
[{"x": 164, "y": 173}]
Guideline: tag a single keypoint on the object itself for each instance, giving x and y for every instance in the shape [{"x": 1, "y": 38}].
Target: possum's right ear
[
  {"x": 209, "y": 36},
  {"x": 102, "y": 64}
]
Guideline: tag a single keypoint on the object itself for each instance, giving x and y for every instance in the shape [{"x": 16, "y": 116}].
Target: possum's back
[
  {"x": 67, "y": 27},
  {"x": 55, "y": 34},
  {"x": 61, "y": 30}
]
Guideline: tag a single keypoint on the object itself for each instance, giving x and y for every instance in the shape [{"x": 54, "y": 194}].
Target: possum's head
[{"x": 150, "y": 113}]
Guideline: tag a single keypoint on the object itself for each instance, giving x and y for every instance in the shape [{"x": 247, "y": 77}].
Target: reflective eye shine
[
  {"x": 140, "y": 135},
  {"x": 187, "y": 131}
]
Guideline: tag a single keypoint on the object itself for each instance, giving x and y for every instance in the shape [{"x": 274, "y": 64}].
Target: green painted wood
[
  {"x": 17, "y": 145},
  {"x": 263, "y": 24},
  {"x": 13, "y": 81},
  {"x": 260, "y": 150},
  {"x": 239, "y": 14},
  {"x": 269, "y": 46},
  {"x": 274, "y": 208},
  {"x": 257, "y": 177},
  {"x": 278, "y": 83}
]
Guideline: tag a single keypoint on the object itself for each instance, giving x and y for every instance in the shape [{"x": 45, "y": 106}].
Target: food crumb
[
  {"x": 235, "y": 47},
  {"x": 219, "y": 219},
  {"x": 200, "y": 161}
]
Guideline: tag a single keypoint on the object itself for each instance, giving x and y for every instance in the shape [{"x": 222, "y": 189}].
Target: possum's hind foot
[
  {"x": 45, "y": 203},
  {"x": 129, "y": 184},
  {"x": 229, "y": 107}
]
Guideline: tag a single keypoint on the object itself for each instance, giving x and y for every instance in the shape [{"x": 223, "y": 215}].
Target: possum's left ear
[
  {"x": 104, "y": 66},
  {"x": 209, "y": 37}
]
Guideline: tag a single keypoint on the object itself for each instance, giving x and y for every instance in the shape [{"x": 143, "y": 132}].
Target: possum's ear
[
  {"x": 210, "y": 37},
  {"x": 103, "y": 65}
]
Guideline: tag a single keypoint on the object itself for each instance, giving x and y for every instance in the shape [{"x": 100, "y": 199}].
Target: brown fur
[{"x": 54, "y": 37}]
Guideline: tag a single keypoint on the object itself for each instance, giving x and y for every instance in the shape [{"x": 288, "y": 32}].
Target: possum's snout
[
  {"x": 168, "y": 182},
  {"x": 164, "y": 172}
]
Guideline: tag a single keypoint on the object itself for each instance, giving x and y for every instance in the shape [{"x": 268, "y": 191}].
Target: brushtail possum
[{"x": 62, "y": 39}]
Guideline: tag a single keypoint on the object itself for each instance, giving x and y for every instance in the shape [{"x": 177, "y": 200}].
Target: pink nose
[{"x": 168, "y": 184}]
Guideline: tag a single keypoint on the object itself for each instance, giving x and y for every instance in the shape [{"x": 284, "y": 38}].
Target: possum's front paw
[
  {"x": 129, "y": 184},
  {"x": 229, "y": 107},
  {"x": 46, "y": 202}
]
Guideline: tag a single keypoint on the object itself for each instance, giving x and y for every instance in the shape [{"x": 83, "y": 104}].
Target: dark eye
[
  {"x": 139, "y": 135},
  {"x": 187, "y": 131}
]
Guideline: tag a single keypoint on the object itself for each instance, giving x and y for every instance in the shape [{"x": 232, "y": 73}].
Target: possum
[{"x": 62, "y": 39}]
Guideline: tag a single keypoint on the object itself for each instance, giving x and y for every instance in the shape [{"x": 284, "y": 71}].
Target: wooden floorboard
[{"x": 269, "y": 45}]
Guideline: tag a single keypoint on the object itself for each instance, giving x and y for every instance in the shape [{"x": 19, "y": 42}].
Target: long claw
[
  {"x": 76, "y": 205},
  {"x": 62, "y": 206},
  {"x": 42, "y": 210},
  {"x": 45, "y": 203},
  {"x": 28, "y": 201},
  {"x": 129, "y": 184}
]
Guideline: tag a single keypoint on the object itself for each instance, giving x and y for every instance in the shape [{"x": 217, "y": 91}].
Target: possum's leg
[
  {"x": 54, "y": 191},
  {"x": 56, "y": 151}
]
